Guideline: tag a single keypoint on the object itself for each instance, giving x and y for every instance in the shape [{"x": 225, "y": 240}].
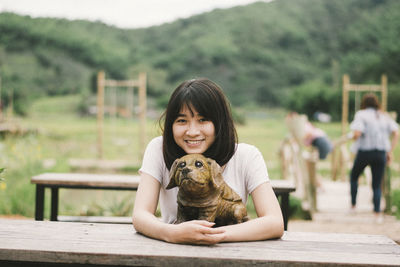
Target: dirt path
[{"x": 334, "y": 213}]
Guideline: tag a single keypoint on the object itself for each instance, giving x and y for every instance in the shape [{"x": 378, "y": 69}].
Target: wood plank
[
  {"x": 85, "y": 179},
  {"x": 117, "y": 244},
  {"x": 96, "y": 219},
  {"x": 117, "y": 180},
  {"x": 283, "y": 185}
]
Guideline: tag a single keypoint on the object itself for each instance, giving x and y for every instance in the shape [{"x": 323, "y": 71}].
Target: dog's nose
[{"x": 185, "y": 171}]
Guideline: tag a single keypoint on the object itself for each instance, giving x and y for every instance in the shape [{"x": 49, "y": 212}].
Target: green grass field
[{"x": 62, "y": 135}]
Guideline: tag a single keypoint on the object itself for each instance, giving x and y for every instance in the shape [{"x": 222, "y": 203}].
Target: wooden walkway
[{"x": 334, "y": 213}]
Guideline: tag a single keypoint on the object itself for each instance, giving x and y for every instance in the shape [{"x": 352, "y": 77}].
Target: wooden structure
[
  {"x": 340, "y": 155},
  {"x": 348, "y": 87},
  {"x": 299, "y": 164},
  {"x": 140, "y": 83},
  {"x": 44, "y": 243},
  {"x": 55, "y": 181}
]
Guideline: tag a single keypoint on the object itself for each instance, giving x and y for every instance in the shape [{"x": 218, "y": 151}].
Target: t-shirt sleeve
[
  {"x": 394, "y": 127},
  {"x": 153, "y": 160},
  {"x": 357, "y": 124},
  {"x": 256, "y": 169}
]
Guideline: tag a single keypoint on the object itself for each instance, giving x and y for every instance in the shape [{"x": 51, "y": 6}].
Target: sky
[{"x": 119, "y": 13}]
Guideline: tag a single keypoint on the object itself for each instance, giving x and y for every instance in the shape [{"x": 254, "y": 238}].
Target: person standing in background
[{"x": 376, "y": 135}]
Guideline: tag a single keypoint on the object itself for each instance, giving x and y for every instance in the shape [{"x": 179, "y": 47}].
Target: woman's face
[{"x": 192, "y": 132}]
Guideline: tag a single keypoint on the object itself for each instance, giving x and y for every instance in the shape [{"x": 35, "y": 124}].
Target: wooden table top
[
  {"x": 77, "y": 179},
  {"x": 118, "y": 180},
  {"x": 119, "y": 244}
]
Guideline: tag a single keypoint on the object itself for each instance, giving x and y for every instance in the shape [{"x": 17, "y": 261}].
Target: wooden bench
[
  {"x": 55, "y": 181},
  {"x": 46, "y": 243}
]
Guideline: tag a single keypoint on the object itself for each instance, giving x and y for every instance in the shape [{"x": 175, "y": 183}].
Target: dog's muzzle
[{"x": 185, "y": 171}]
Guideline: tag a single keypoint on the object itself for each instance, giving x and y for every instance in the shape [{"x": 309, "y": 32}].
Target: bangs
[{"x": 198, "y": 101}]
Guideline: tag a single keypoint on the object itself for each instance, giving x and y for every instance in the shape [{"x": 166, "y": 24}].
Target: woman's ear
[
  {"x": 215, "y": 172},
  {"x": 172, "y": 175}
]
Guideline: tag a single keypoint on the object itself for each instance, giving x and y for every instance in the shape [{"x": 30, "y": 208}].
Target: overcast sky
[{"x": 120, "y": 13}]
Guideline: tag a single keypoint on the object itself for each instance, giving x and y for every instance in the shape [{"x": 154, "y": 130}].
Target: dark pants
[
  {"x": 323, "y": 145},
  {"x": 376, "y": 159}
]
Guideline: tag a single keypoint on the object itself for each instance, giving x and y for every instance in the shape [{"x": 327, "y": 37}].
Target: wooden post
[
  {"x": 10, "y": 108},
  {"x": 1, "y": 104},
  {"x": 114, "y": 103},
  {"x": 345, "y": 103},
  {"x": 100, "y": 113},
  {"x": 129, "y": 102},
  {"x": 384, "y": 92},
  {"x": 312, "y": 182},
  {"x": 387, "y": 190},
  {"x": 143, "y": 107}
]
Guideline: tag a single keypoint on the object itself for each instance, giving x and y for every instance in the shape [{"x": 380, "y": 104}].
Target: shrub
[
  {"x": 396, "y": 203},
  {"x": 315, "y": 96}
]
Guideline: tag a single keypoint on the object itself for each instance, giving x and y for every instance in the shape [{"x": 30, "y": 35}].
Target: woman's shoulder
[
  {"x": 156, "y": 141},
  {"x": 243, "y": 149},
  {"x": 155, "y": 144}
]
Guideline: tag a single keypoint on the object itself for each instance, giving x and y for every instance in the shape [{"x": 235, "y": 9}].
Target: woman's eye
[
  {"x": 203, "y": 120},
  {"x": 180, "y": 121},
  {"x": 182, "y": 164},
  {"x": 198, "y": 164}
]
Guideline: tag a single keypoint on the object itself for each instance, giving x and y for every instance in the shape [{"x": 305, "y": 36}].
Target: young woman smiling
[{"x": 198, "y": 120}]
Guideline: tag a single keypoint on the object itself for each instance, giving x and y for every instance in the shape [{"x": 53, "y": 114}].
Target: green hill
[{"x": 264, "y": 53}]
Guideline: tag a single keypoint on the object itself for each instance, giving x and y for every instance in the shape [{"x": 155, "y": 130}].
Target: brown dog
[{"x": 203, "y": 193}]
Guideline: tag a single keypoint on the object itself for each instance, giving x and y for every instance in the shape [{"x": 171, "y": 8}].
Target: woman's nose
[{"x": 193, "y": 129}]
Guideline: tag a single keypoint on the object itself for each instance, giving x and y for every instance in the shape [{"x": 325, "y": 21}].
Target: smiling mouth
[{"x": 194, "y": 142}]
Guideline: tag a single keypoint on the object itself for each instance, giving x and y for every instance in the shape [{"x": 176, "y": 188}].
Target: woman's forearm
[
  {"x": 149, "y": 225},
  {"x": 261, "y": 228}
]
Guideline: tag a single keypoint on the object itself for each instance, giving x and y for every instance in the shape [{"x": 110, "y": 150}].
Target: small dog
[{"x": 203, "y": 193}]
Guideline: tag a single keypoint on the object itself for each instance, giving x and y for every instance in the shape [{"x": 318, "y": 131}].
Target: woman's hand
[
  {"x": 195, "y": 232},
  {"x": 389, "y": 157}
]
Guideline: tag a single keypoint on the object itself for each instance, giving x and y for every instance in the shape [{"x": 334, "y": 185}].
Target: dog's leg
[
  {"x": 240, "y": 213},
  {"x": 208, "y": 213}
]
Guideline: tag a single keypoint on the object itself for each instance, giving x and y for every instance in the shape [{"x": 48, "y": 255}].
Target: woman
[
  {"x": 376, "y": 136},
  {"x": 198, "y": 120}
]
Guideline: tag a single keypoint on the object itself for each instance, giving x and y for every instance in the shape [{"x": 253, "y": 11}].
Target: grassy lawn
[{"x": 62, "y": 134}]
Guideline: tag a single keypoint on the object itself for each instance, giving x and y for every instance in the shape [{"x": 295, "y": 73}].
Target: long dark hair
[{"x": 209, "y": 101}]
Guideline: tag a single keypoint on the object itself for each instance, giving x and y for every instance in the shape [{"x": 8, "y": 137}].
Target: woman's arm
[
  {"x": 269, "y": 223},
  {"x": 356, "y": 134},
  {"x": 145, "y": 222}
]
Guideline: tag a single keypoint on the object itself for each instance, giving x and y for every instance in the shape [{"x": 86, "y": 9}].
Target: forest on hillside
[{"x": 285, "y": 53}]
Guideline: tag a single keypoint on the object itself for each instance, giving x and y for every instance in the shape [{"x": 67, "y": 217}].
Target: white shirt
[
  {"x": 243, "y": 173},
  {"x": 376, "y": 128}
]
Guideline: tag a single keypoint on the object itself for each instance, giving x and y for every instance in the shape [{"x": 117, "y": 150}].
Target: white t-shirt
[
  {"x": 243, "y": 173},
  {"x": 376, "y": 128}
]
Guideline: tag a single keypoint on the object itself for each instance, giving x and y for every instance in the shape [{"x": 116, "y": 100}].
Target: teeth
[{"x": 193, "y": 142}]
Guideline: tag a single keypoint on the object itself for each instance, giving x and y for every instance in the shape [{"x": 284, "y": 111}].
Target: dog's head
[{"x": 195, "y": 174}]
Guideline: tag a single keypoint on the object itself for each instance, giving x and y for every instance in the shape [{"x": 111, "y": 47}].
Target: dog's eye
[
  {"x": 198, "y": 164},
  {"x": 182, "y": 164}
]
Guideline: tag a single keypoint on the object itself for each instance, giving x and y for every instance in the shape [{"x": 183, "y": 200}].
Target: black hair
[{"x": 208, "y": 99}]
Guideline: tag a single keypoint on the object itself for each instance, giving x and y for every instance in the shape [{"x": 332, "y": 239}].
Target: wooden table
[
  {"x": 55, "y": 181},
  {"x": 46, "y": 243}
]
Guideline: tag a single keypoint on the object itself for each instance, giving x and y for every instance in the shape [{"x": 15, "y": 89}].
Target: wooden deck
[{"x": 46, "y": 243}]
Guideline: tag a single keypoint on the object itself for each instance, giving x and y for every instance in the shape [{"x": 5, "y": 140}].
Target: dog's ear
[
  {"x": 172, "y": 175},
  {"x": 215, "y": 172}
]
